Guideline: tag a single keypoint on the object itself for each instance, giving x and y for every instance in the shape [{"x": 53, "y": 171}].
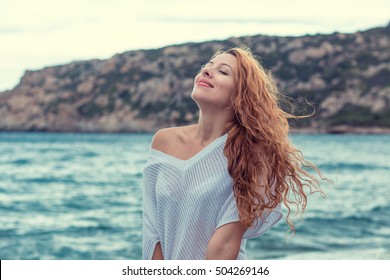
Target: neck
[{"x": 211, "y": 125}]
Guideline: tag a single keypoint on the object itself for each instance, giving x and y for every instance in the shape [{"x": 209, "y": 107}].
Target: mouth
[{"x": 204, "y": 83}]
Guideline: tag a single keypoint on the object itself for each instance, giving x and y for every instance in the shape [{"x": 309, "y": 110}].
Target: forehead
[{"x": 225, "y": 58}]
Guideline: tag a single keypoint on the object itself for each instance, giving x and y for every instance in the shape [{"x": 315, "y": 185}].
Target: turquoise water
[{"x": 78, "y": 196}]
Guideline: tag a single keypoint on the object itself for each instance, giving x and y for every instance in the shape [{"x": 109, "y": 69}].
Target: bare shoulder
[
  {"x": 162, "y": 138},
  {"x": 166, "y": 138}
]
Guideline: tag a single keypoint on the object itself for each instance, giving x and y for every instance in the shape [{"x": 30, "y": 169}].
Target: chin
[
  {"x": 204, "y": 101},
  {"x": 200, "y": 97}
]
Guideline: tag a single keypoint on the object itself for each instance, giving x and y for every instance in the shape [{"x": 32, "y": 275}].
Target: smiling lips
[{"x": 204, "y": 83}]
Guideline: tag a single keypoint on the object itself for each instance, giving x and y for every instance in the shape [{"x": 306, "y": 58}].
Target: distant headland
[{"x": 346, "y": 77}]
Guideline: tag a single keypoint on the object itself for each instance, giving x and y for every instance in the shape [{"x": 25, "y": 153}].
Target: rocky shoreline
[
  {"x": 344, "y": 76},
  {"x": 342, "y": 129}
]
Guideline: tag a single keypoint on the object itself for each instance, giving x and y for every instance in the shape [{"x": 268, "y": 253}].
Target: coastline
[{"x": 340, "y": 129}]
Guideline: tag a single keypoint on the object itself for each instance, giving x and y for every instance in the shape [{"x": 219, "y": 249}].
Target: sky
[{"x": 40, "y": 33}]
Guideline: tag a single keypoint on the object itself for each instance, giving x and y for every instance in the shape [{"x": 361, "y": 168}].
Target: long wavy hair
[{"x": 265, "y": 167}]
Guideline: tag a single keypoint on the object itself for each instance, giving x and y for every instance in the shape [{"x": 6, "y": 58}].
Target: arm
[
  {"x": 225, "y": 242},
  {"x": 157, "y": 255}
]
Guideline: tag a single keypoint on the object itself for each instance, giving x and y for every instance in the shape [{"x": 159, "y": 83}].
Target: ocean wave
[
  {"x": 354, "y": 166},
  {"x": 20, "y": 162},
  {"x": 92, "y": 208},
  {"x": 357, "y": 225},
  {"x": 367, "y": 215}
]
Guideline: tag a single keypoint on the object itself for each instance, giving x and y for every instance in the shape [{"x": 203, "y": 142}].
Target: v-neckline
[{"x": 185, "y": 162}]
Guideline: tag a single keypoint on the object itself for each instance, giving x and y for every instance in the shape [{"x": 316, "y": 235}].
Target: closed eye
[{"x": 223, "y": 72}]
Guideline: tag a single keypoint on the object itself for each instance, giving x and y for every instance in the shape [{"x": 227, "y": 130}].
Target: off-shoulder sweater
[{"x": 185, "y": 201}]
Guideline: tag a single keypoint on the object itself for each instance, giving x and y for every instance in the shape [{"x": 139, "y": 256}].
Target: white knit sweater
[{"x": 185, "y": 201}]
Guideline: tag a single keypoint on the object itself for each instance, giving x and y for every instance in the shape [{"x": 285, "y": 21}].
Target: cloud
[
  {"x": 236, "y": 20},
  {"x": 39, "y": 33},
  {"x": 11, "y": 30}
]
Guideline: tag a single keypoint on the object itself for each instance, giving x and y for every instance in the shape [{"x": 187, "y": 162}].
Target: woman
[{"x": 210, "y": 186}]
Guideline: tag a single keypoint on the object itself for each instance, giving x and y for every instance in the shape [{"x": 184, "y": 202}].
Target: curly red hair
[{"x": 265, "y": 167}]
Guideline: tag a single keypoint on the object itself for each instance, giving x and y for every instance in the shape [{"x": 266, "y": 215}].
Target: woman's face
[{"x": 215, "y": 83}]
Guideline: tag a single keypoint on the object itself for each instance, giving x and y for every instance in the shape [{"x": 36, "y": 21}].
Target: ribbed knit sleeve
[
  {"x": 150, "y": 235},
  {"x": 229, "y": 213}
]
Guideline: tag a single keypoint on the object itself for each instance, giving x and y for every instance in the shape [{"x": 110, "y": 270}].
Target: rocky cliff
[{"x": 346, "y": 77}]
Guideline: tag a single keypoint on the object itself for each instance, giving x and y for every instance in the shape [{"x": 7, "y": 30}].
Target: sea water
[{"x": 78, "y": 196}]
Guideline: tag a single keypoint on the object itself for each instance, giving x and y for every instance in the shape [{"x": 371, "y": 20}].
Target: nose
[{"x": 206, "y": 71}]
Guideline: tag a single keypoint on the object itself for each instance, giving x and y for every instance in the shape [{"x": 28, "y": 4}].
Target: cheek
[
  {"x": 229, "y": 87},
  {"x": 226, "y": 94},
  {"x": 197, "y": 77}
]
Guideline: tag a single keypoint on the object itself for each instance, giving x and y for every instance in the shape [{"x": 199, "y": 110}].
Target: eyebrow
[{"x": 211, "y": 62}]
